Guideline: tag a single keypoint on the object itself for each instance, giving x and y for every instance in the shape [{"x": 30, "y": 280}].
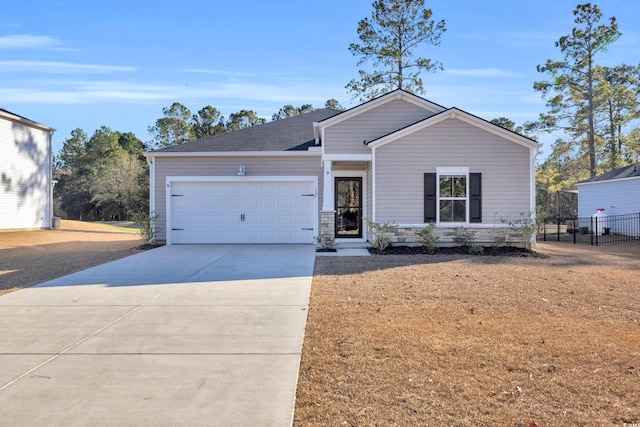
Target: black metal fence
[{"x": 594, "y": 230}]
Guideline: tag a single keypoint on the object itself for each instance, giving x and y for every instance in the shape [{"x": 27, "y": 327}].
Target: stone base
[
  {"x": 484, "y": 236},
  {"x": 328, "y": 223}
]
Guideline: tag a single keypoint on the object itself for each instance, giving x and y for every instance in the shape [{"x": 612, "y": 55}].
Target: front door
[{"x": 348, "y": 207}]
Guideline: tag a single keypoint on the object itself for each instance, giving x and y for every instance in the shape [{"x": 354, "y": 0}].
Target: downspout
[
  {"x": 373, "y": 183},
  {"x": 52, "y": 183},
  {"x": 532, "y": 186},
  {"x": 152, "y": 186}
]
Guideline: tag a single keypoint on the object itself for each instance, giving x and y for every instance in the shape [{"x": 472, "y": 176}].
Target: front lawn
[{"x": 462, "y": 340}]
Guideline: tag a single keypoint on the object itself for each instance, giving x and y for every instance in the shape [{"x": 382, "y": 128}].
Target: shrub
[
  {"x": 464, "y": 236},
  {"x": 381, "y": 233},
  {"x": 525, "y": 226},
  {"x": 476, "y": 250},
  {"x": 427, "y": 236},
  {"x": 146, "y": 223},
  {"x": 326, "y": 240}
]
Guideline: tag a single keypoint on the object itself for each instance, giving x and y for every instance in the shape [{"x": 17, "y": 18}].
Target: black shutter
[
  {"x": 429, "y": 197},
  {"x": 475, "y": 197}
]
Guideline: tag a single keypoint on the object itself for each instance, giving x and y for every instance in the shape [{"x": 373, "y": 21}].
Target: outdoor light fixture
[{"x": 241, "y": 170}]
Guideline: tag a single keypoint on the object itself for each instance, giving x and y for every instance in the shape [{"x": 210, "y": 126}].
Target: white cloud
[
  {"x": 112, "y": 91},
  {"x": 26, "y": 41},
  {"x": 59, "y": 67}
]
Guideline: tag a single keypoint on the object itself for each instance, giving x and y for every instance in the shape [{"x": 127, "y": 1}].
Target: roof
[
  {"x": 27, "y": 122},
  {"x": 290, "y": 134},
  {"x": 630, "y": 171}
]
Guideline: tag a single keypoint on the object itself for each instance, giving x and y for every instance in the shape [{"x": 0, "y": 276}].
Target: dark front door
[{"x": 348, "y": 207}]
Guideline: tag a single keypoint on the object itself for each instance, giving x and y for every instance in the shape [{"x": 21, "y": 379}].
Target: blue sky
[{"x": 84, "y": 64}]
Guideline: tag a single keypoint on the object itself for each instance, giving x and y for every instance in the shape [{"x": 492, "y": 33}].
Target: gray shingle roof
[
  {"x": 290, "y": 134},
  {"x": 625, "y": 172}
]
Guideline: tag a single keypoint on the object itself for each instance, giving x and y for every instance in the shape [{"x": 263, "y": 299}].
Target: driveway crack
[{"x": 77, "y": 343}]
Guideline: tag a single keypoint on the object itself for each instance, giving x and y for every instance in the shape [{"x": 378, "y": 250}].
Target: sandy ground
[
  {"x": 31, "y": 257},
  {"x": 462, "y": 340}
]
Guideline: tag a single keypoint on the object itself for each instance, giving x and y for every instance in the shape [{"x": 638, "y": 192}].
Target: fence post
[
  {"x": 544, "y": 231},
  {"x": 558, "y": 228}
]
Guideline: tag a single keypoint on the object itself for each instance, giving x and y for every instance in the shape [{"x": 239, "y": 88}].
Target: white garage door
[{"x": 242, "y": 212}]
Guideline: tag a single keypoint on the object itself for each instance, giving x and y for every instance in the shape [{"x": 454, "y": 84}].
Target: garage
[{"x": 241, "y": 211}]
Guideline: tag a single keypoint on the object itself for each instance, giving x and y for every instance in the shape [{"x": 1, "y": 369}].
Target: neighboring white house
[
  {"x": 397, "y": 158},
  {"x": 26, "y": 187},
  {"x": 617, "y": 192}
]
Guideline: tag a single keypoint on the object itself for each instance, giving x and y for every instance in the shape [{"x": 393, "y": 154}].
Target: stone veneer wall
[
  {"x": 327, "y": 222},
  {"x": 485, "y": 236}
]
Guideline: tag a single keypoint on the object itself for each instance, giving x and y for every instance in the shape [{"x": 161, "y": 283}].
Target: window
[
  {"x": 453, "y": 198},
  {"x": 453, "y": 195}
]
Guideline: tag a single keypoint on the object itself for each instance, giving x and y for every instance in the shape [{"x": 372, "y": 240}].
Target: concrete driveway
[{"x": 179, "y": 335}]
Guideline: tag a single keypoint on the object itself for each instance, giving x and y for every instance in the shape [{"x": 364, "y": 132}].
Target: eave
[{"x": 314, "y": 153}]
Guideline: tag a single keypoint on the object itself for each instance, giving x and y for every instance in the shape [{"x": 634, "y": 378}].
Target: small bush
[
  {"x": 427, "y": 236},
  {"x": 146, "y": 223},
  {"x": 381, "y": 233},
  {"x": 464, "y": 236},
  {"x": 326, "y": 240},
  {"x": 525, "y": 226},
  {"x": 476, "y": 250}
]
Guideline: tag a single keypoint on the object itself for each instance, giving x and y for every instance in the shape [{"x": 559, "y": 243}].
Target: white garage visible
[{"x": 241, "y": 210}]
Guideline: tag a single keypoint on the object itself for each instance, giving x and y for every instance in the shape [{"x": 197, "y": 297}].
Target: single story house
[
  {"x": 26, "y": 186},
  {"x": 614, "y": 193},
  {"x": 398, "y": 158}
]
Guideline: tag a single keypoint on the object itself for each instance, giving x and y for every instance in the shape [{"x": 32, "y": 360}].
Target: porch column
[
  {"x": 328, "y": 213},
  {"x": 327, "y": 196}
]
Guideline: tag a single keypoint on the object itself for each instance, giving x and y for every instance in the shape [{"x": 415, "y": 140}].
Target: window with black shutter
[{"x": 447, "y": 196}]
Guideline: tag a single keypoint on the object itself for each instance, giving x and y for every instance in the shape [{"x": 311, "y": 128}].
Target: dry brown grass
[
  {"x": 425, "y": 340},
  {"x": 31, "y": 257}
]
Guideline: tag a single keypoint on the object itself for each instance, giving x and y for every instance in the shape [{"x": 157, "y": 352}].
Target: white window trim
[{"x": 452, "y": 170}]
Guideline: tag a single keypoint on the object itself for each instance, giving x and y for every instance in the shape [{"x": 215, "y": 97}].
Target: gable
[
  {"x": 397, "y": 94},
  {"x": 462, "y": 117},
  {"x": 349, "y": 134}
]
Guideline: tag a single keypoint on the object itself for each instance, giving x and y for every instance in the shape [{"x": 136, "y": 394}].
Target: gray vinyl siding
[
  {"x": 349, "y": 166},
  {"x": 228, "y": 166},
  {"x": 401, "y": 164},
  {"x": 25, "y": 177},
  {"x": 348, "y": 136}
]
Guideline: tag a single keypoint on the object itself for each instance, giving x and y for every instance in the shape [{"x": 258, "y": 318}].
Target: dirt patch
[
  {"x": 462, "y": 340},
  {"x": 31, "y": 257}
]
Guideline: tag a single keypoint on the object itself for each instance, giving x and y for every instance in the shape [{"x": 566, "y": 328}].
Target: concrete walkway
[{"x": 180, "y": 335}]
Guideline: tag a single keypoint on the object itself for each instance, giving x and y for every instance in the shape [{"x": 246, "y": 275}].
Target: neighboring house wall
[
  {"x": 348, "y": 137},
  {"x": 25, "y": 176},
  {"x": 227, "y": 166},
  {"x": 617, "y": 197},
  {"x": 400, "y": 166}
]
